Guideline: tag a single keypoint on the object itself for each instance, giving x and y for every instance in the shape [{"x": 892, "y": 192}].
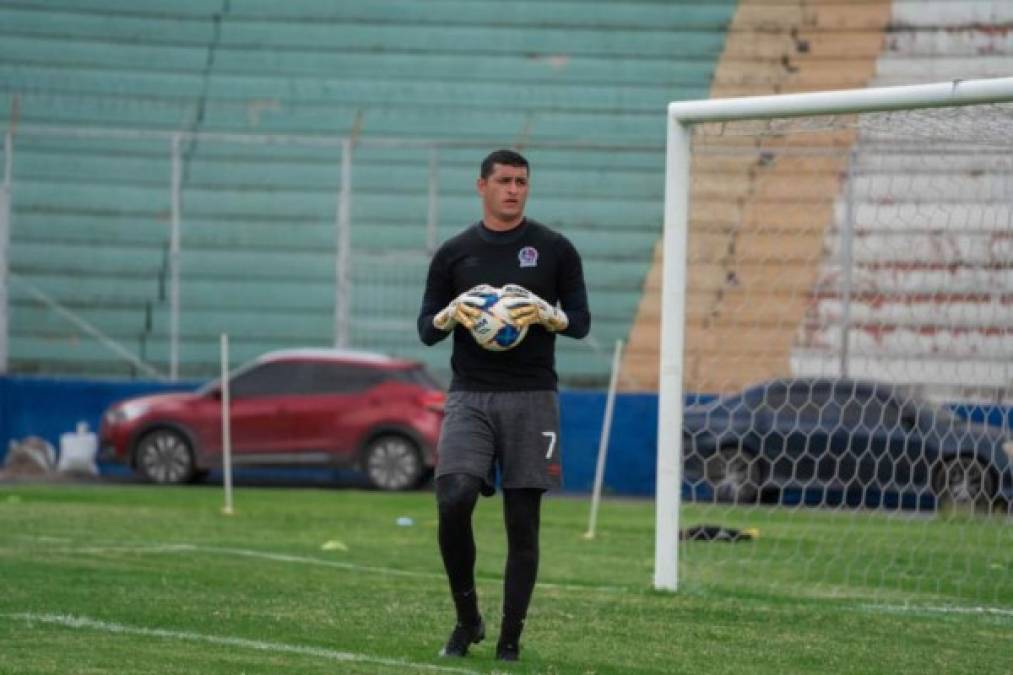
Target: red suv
[{"x": 310, "y": 407}]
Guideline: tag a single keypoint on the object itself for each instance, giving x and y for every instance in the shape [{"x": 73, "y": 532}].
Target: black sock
[
  {"x": 510, "y": 631},
  {"x": 466, "y": 604},
  {"x": 521, "y": 510}
]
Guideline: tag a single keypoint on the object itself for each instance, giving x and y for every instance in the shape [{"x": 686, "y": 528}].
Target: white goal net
[{"x": 845, "y": 339}]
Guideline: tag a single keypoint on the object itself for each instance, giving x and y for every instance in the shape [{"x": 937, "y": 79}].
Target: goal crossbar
[{"x": 682, "y": 116}]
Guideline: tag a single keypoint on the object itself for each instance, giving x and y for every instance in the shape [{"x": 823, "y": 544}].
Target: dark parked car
[
  {"x": 867, "y": 443},
  {"x": 312, "y": 407}
]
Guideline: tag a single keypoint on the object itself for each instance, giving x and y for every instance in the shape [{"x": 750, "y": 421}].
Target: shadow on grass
[{"x": 116, "y": 474}]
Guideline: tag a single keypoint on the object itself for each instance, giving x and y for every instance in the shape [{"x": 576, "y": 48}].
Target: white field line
[
  {"x": 275, "y": 647},
  {"x": 939, "y": 609},
  {"x": 44, "y": 539},
  {"x": 306, "y": 560}
]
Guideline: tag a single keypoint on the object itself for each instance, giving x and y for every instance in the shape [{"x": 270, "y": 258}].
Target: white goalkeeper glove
[
  {"x": 463, "y": 309},
  {"x": 526, "y": 309}
]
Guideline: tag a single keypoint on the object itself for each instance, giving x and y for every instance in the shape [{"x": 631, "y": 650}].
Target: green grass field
[{"x": 151, "y": 580}]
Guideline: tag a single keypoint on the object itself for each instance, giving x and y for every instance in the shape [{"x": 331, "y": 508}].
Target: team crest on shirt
[{"x": 528, "y": 256}]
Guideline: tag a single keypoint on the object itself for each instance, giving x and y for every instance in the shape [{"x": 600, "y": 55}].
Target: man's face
[{"x": 505, "y": 191}]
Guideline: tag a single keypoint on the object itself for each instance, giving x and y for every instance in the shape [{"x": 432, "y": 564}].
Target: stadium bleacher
[
  {"x": 931, "y": 305},
  {"x": 581, "y": 87},
  {"x": 927, "y": 265}
]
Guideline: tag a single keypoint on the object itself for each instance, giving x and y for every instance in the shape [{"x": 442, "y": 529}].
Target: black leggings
[{"x": 456, "y": 495}]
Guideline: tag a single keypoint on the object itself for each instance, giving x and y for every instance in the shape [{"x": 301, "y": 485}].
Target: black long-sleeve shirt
[{"x": 531, "y": 255}]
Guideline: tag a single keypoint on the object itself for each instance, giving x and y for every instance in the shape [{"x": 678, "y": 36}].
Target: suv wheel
[
  {"x": 392, "y": 463},
  {"x": 734, "y": 474},
  {"x": 964, "y": 483},
  {"x": 164, "y": 456}
]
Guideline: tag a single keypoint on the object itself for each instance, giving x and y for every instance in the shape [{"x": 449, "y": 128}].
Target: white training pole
[
  {"x": 433, "y": 212},
  {"x": 5, "y": 229},
  {"x": 175, "y": 235},
  {"x": 226, "y": 428},
  {"x": 603, "y": 443},
  {"x": 343, "y": 254}
]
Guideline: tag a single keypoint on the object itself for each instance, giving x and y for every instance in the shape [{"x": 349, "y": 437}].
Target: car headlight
[
  {"x": 1007, "y": 447},
  {"x": 126, "y": 412},
  {"x": 115, "y": 416}
]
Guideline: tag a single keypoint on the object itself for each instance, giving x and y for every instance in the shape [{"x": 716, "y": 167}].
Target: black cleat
[
  {"x": 508, "y": 651},
  {"x": 462, "y": 637}
]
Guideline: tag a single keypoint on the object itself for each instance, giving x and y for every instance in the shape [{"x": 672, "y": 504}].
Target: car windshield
[
  {"x": 216, "y": 384},
  {"x": 420, "y": 376},
  {"x": 940, "y": 413},
  {"x": 732, "y": 402}
]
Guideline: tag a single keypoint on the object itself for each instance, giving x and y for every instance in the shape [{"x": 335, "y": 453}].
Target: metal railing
[{"x": 178, "y": 147}]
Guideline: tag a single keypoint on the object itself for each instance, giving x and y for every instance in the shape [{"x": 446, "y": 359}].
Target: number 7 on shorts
[{"x": 551, "y": 435}]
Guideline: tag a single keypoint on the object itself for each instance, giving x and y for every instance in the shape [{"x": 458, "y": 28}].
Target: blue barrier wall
[
  {"x": 633, "y": 440},
  {"x": 48, "y": 407}
]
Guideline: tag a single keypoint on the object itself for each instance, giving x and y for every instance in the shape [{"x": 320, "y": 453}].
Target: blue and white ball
[{"x": 494, "y": 329}]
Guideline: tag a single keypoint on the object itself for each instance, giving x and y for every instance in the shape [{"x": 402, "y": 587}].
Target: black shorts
[{"x": 518, "y": 431}]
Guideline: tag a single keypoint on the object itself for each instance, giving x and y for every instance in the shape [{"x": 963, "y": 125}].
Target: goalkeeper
[{"x": 503, "y": 410}]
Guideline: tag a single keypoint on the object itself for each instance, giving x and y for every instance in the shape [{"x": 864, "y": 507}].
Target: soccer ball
[{"x": 494, "y": 329}]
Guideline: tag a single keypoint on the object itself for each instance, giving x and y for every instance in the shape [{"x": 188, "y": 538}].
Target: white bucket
[{"x": 77, "y": 451}]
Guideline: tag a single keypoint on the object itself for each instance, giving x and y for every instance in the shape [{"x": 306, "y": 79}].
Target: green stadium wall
[{"x": 580, "y": 87}]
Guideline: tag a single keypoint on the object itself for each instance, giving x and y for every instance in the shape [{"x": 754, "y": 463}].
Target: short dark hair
[{"x": 507, "y": 157}]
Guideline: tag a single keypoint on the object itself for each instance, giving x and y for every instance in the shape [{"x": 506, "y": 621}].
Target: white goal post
[{"x": 682, "y": 117}]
